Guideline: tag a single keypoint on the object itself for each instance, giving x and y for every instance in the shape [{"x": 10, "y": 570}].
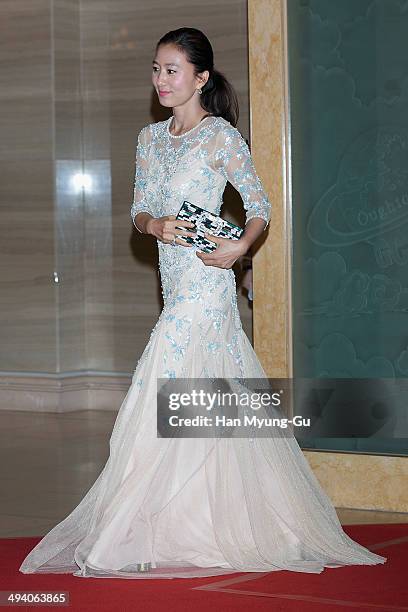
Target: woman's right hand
[{"x": 164, "y": 229}]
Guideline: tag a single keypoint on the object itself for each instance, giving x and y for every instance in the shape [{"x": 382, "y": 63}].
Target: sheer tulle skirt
[{"x": 197, "y": 507}]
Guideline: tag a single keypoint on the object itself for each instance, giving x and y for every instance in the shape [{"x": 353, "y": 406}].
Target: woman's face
[{"x": 173, "y": 77}]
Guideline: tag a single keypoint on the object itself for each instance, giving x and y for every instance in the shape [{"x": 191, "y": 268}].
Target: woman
[{"x": 166, "y": 507}]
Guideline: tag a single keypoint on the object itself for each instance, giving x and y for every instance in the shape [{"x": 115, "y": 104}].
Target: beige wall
[
  {"x": 79, "y": 285},
  {"x": 28, "y": 300}
]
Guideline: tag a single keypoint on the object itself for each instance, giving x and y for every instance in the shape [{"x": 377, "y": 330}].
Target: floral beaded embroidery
[
  {"x": 215, "y": 152},
  {"x": 199, "y": 301}
]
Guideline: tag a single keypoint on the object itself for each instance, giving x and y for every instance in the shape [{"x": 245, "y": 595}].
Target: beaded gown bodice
[
  {"x": 200, "y": 303},
  {"x": 195, "y": 167}
]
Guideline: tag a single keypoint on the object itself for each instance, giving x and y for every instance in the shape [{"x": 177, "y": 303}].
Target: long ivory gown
[{"x": 196, "y": 507}]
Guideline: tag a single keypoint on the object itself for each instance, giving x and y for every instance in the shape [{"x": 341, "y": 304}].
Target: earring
[{"x": 199, "y": 91}]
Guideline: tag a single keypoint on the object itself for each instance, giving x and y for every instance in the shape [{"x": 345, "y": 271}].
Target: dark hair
[{"x": 219, "y": 97}]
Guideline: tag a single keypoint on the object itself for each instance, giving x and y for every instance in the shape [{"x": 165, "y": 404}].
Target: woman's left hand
[{"x": 226, "y": 253}]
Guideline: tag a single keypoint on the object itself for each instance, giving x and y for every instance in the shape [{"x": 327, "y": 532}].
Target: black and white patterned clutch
[{"x": 206, "y": 221}]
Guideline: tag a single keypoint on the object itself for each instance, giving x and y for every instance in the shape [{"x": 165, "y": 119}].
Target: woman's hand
[
  {"x": 164, "y": 229},
  {"x": 226, "y": 253}
]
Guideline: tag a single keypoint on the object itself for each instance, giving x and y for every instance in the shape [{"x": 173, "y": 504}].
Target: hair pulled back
[{"x": 218, "y": 95}]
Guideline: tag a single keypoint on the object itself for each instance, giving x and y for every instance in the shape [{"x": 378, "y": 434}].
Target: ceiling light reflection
[{"x": 81, "y": 182}]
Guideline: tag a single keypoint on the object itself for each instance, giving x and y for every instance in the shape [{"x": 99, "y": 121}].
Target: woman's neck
[{"x": 183, "y": 121}]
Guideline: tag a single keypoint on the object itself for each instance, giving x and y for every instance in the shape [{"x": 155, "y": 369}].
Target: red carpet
[{"x": 370, "y": 588}]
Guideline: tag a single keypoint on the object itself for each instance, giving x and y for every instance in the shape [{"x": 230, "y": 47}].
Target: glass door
[{"x": 348, "y": 91}]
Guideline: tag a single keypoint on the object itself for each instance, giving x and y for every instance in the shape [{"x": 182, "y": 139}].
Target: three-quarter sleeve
[
  {"x": 141, "y": 197},
  {"x": 233, "y": 159}
]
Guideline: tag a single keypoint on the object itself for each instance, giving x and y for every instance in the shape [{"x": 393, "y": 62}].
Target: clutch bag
[{"x": 206, "y": 221}]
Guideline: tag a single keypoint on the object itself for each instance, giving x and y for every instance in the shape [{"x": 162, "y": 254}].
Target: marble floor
[{"x": 48, "y": 461}]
